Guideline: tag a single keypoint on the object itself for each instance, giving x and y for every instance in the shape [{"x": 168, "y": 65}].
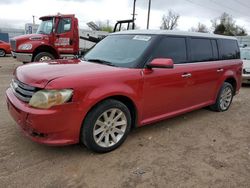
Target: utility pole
[
  {"x": 149, "y": 7},
  {"x": 33, "y": 19},
  {"x": 133, "y": 27}
]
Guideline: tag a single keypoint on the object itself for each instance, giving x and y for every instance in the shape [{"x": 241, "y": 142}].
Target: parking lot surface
[{"x": 197, "y": 149}]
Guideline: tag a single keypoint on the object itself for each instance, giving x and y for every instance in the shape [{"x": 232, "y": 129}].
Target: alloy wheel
[
  {"x": 45, "y": 58},
  {"x": 110, "y": 127},
  {"x": 2, "y": 53},
  {"x": 226, "y": 98}
]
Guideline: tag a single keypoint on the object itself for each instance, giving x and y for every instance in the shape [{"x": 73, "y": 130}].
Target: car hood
[
  {"x": 41, "y": 73},
  {"x": 30, "y": 37}
]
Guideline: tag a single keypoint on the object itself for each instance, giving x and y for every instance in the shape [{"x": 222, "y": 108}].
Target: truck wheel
[
  {"x": 43, "y": 56},
  {"x": 106, "y": 126},
  {"x": 2, "y": 53},
  {"x": 224, "y": 98}
]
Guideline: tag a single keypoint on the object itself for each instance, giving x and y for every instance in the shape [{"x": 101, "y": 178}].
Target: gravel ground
[{"x": 198, "y": 149}]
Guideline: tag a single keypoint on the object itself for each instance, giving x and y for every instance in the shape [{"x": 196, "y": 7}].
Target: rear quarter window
[
  {"x": 229, "y": 49},
  {"x": 201, "y": 50}
]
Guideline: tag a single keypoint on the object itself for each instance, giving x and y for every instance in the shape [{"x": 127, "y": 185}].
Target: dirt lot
[{"x": 198, "y": 149}]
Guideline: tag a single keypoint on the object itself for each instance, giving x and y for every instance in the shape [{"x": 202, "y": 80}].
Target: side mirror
[{"x": 161, "y": 63}]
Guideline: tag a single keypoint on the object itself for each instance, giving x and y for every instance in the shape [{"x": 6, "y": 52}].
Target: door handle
[
  {"x": 186, "y": 75},
  {"x": 71, "y": 41},
  {"x": 220, "y": 70}
]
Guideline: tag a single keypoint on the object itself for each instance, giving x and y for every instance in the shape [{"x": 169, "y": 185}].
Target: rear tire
[
  {"x": 106, "y": 126},
  {"x": 43, "y": 56},
  {"x": 2, "y": 53},
  {"x": 224, "y": 98}
]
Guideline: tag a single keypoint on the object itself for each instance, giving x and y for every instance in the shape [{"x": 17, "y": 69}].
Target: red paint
[
  {"x": 157, "y": 93},
  {"x": 5, "y": 46}
]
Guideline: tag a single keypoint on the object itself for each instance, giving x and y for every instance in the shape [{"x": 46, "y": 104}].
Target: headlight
[
  {"x": 48, "y": 98},
  {"x": 25, "y": 47}
]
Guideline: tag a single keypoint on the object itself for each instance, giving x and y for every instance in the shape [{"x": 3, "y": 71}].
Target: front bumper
[
  {"x": 56, "y": 126},
  {"x": 246, "y": 78},
  {"x": 23, "y": 57}
]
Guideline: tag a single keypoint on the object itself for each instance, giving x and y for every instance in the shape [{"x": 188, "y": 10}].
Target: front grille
[
  {"x": 22, "y": 91},
  {"x": 13, "y": 44}
]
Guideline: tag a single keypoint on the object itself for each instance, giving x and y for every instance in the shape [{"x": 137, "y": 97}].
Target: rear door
[
  {"x": 205, "y": 69},
  {"x": 64, "y": 36}
]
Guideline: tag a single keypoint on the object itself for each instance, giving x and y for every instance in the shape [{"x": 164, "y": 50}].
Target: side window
[
  {"x": 201, "y": 50},
  {"x": 215, "y": 49},
  {"x": 229, "y": 49},
  {"x": 64, "y": 25},
  {"x": 172, "y": 47}
]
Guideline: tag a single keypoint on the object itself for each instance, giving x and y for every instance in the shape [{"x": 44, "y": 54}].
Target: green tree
[
  {"x": 226, "y": 25},
  {"x": 104, "y": 26},
  {"x": 202, "y": 28}
]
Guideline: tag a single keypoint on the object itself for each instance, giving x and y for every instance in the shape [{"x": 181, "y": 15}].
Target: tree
[
  {"x": 202, "y": 28},
  {"x": 104, "y": 26},
  {"x": 170, "y": 21},
  {"x": 226, "y": 25}
]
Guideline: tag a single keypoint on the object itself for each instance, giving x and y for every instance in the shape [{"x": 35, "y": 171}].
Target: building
[
  {"x": 244, "y": 41},
  {"x": 12, "y": 32},
  {"x": 31, "y": 28}
]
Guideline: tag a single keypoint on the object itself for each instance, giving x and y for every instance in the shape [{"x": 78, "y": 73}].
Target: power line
[
  {"x": 243, "y": 4},
  {"x": 216, "y": 9}
]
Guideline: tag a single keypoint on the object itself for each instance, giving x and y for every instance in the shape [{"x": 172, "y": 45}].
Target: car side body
[
  {"x": 150, "y": 93},
  {"x": 245, "y": 56},
  {"x": 4, "y": 48}
]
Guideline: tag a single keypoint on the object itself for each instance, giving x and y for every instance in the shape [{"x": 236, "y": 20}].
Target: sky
[{"x": 15, "y": 13}]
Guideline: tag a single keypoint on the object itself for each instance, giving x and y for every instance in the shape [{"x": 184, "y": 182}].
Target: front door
[
  {"x": 64, "y": 36},
  {"x": 167, "y": 91}
]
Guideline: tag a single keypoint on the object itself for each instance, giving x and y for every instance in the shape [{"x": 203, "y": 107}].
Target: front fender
[{"x": 101, "y": 93}]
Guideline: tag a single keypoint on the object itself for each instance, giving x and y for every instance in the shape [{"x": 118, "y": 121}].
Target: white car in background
[{"x": 245, "y": 56}]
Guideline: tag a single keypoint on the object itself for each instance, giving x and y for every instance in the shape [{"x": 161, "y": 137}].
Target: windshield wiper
[{"x": 100, "y": 61}]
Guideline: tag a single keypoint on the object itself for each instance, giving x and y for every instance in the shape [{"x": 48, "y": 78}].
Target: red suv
[
  {"x": 4, "y": 48},
  {"x": 128, "y": 80}
]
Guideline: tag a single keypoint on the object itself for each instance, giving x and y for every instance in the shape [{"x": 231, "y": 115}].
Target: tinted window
[
  {"x": 64, "y": 25},
  {"x": 201, "y": 50},
  {"x": 215, "y": 49},
  {"x": 229, "y": 49},
  {"x": 172, "y": 47}
]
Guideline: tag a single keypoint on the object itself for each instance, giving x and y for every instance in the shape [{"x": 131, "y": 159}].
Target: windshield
[
  {"x": 45, "y": 27},
  {"x": 245, "y": 54},
  {"x": 119, "y": 50}
]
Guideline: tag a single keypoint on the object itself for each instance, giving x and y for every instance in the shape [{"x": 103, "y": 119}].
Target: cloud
[
  {"x": 191, "y": 11},
  {"x": 10, "y": 1}
]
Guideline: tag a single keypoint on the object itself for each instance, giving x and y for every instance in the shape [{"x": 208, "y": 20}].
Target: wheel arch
[
  {"x": 126, "y": 101},
  {"x": 231, "y": 80},
  {"x": 45, "y": 48},
  {"x": 3, "y": 50}
]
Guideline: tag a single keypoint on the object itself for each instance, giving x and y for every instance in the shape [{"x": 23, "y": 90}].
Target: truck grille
[
  {"x": 13, "y": 44},
  {"x": 22, "y": 91}
]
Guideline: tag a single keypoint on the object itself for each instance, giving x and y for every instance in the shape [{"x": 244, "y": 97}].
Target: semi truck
[{"x": 58, "y": 36}]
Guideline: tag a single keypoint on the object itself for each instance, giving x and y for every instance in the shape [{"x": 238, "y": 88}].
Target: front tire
[
  {"x": 224, "y": 98},
  {"x": 106, "y": 126},
  {"x": 2, "y": 53},
  {"x": 43, "y": 56}
]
